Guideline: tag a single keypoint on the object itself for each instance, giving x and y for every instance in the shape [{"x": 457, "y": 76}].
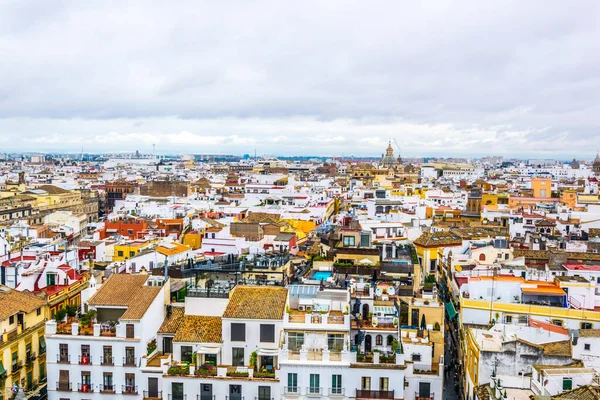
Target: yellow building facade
[{"x": 22, "y": 348}]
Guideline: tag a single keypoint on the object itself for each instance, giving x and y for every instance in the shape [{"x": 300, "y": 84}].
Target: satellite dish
[{"x": 391, "y": 291}]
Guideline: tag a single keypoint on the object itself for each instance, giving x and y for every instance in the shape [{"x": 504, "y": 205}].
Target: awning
[
  {"x": 385, "y": 310},
  {"x": 450, "y": 310},
  {"x": 544, "y": 291},
  {"x": 2, "y": 370},
  {"x": 267, "y": 352},
  {"x": 209, "y": 350}
]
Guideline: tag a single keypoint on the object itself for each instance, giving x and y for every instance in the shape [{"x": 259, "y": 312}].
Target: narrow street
[{"x": 450, "y": 366}]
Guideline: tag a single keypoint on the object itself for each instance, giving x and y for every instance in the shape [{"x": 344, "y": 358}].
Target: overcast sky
[{"x": 469, "y": 78}]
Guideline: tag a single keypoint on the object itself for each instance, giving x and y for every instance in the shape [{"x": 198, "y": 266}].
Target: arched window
[
  {"x": 482, "y": 257},
  {"x": 379, "y": 340}
]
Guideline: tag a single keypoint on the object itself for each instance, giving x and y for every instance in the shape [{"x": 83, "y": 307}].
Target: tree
[
  {"x": 60, "y": 315},
  {"x": 71, "y": 310}
]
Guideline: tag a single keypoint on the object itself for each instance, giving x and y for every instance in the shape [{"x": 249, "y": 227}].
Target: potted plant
[
  {"x": 395, "y": 321},
  {"x": 60, "y": 315},
  {"x": 253, "y": 360}
]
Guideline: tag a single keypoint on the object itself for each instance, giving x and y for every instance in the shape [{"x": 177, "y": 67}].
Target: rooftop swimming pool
[{"x": 321, "y": 275}]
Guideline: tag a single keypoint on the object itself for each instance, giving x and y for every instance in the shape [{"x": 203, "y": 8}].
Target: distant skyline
[{"x": 516, "y": 79}]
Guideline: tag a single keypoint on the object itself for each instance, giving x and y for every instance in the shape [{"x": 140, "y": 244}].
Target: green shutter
[{"x": 2, "y": 369}]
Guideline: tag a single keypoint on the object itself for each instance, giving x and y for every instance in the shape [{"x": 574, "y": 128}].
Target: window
[
  {"x": 238, "y": 332},
  {"x": 365, "y": 383},
  {"x": 267, "y": 333},
  {"x": 177, "y": 391},
  {"x": 315, "y": 384},
  {"x": 235, "y": 392},
  {"x": 586, "y": 325},
  {"x": 587, "y": 346},
  {"x": 120, "y": 253},
  {"x": 384, "y": 384},
  {"x": 567, "y": 383},
  {"x": 425, "y": 390},
  {"x": 206, "y": 391},
  {"x": 63, "y": 353},
  {"x": 85, "y": 354},
  {"x": 11, "y": 319},
  {"x": 130, "y": 383},
  {"x": 557, "y": 322},
  {"x": 416, "y": 357},
  {"x": 237, "y": 356},
  {"x": 295, "y": 340},
  {"x": 432, "y": 265},
  {"x": 107, "y": 382},
  {"x": 39, "y": 311},
  {"x": 335, "y": 342},
  {"x": 378, "y": 340},
  {"x": 482, "y": 257},
  {"x": 130, "y": 356},
  {"x": 522, "y": 319},
  {"x": 292, "y": 383},
  {"x": 348, "y": 241},
  {"x": 186, "y": 353},
  {"x": 264, "y": 393},
  {"x": 129, "y": 331},
  {"x": 336, "y": 384},
  {"x": 107, "y": 355},
  {"x": 86, "y": 380},
  {"x": 390, "y": 340},
  {"x": 508, "y": 319}
]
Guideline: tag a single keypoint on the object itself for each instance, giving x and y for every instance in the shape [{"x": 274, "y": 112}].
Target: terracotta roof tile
[
  {"x": 126, "y": 290},
  {"x": 587, "y": 392},
  {"x": 199, "y": 329},
  {"x": 172, "y": 322},
  {"x": 251, "y": 302},
  {"x": 13, "y": 301}
]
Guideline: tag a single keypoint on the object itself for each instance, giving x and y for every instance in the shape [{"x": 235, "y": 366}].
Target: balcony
[
  {"x": 30, "y": 358},
  {"x": 337, "y": 392},
  {"x": 177, "y": 397},
  {"x": 152, "y": 395},
  {"x": 85, "y": 360},
  {"x": 107, "y": 388},
  {"x": 107, "y": 360},
  {"x": 375, "y": 394},
  {"x": 313, "y": 391},
  {"x": 291, "y": 390},
  {"x": 63, "y": 386},
  {"x": 419, "y": 397},
  {"x": 129, "y": 361},
  {"x": 129, "y": 389},
  {"x": 207, "y": 397},
  {"x": 16, "y": 366},
  {"x": 63, "y": 359},
  {"x": 85, "y": 387}
]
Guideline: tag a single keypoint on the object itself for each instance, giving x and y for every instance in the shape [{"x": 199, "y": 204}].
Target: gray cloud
[{"x": 512, "y": 78}]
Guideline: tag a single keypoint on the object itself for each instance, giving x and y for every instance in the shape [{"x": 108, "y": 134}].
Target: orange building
[{"x": 542, "y": 187}]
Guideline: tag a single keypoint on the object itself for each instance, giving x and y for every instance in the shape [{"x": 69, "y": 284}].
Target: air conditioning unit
[{"x": 302, "y": 308}]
